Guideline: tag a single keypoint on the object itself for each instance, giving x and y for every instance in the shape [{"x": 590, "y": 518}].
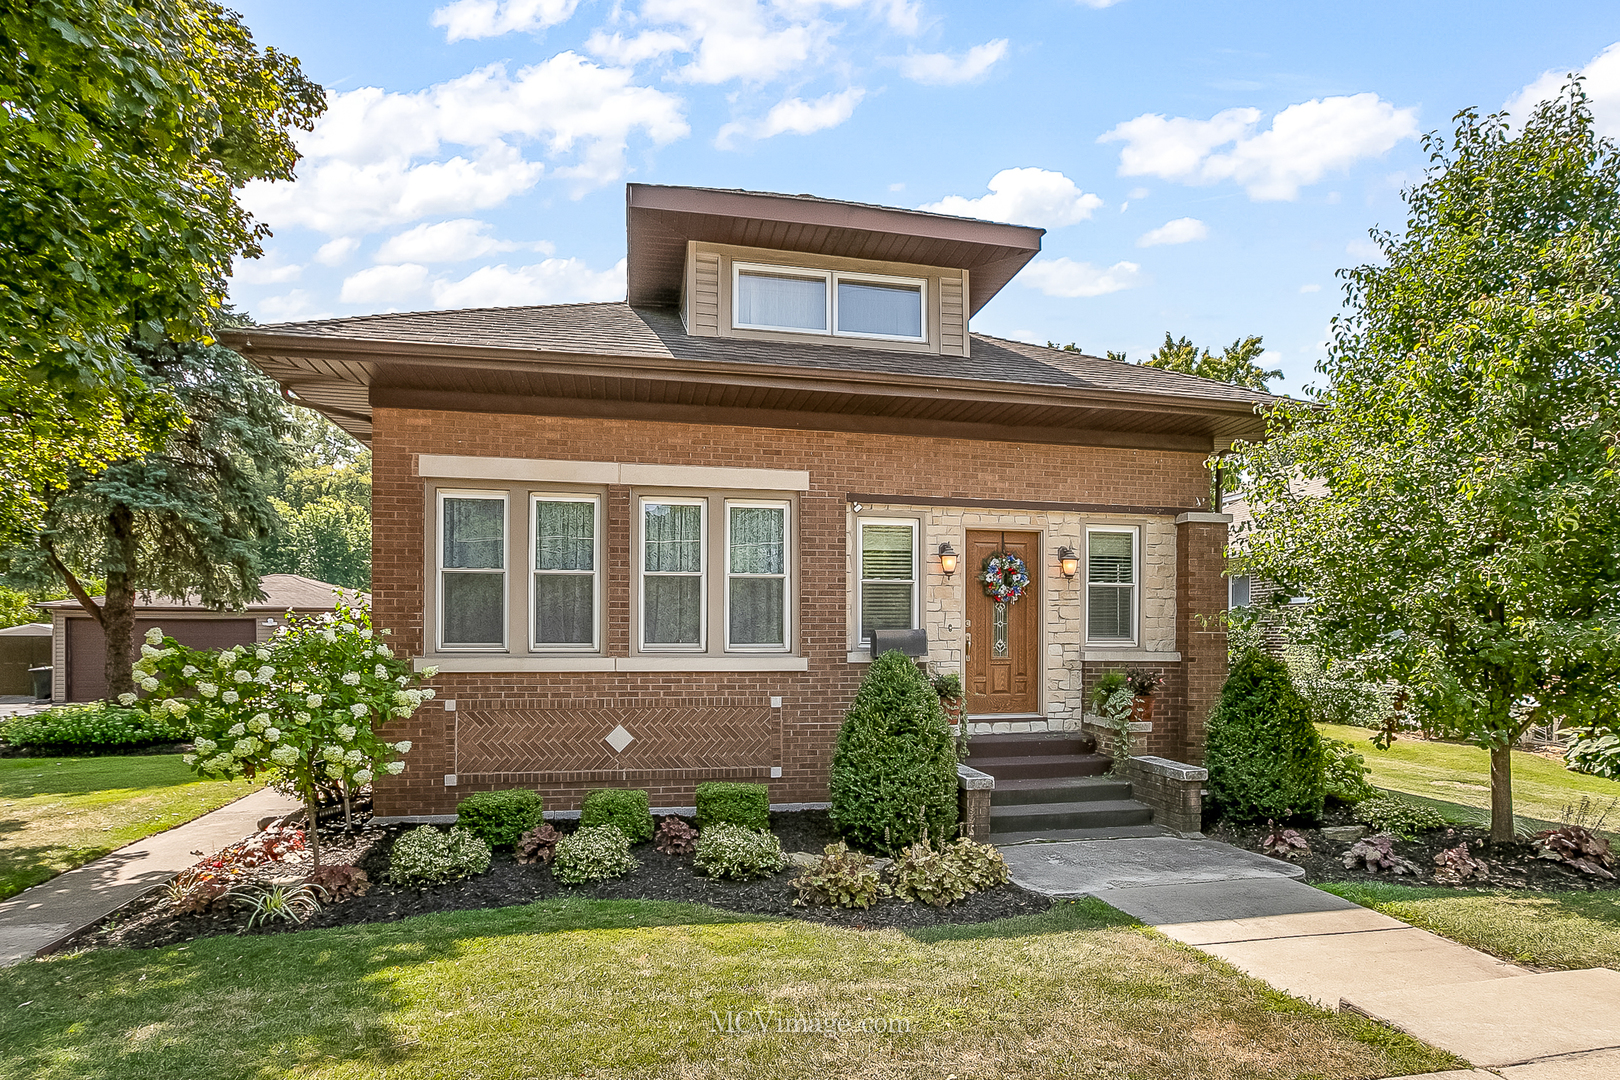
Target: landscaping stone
[
  {"x": 1344, "y": 834},
  {"x": 802, "y": 859}
]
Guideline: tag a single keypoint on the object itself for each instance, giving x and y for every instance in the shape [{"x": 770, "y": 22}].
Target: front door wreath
[{"x": 1005, "y": 577}]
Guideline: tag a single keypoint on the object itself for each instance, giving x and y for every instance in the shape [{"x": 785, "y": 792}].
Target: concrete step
[
  {"x": 1040, "y": 789},
  {"x": 1063, "y": 742},
  {"x": 1116, "y": 832},
  {"x": 1089, "y": 814},
  {"x": 1031, "y": 766}
]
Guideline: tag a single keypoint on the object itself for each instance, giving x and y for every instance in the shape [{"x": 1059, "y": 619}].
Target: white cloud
[
  {"x": 487, "y": 18},
  {"x": 1602, "y": 91},
  {"x": 336, "y": 252},
  {"x": 384, "y": 284},
  {"x": 647, "y": 45},
  {"x": 294, "y": 306},
  {"x": 1024, "y": 197},
  {"x": 796, "y": 116},
  {"x": 1303, "y": 144},
  {"x": 1180, "y": 231},
  {"x": 1310, "y": 288},
  {"x": 363, "y": 167},
  {"x": 1065, "y": 277},
  {"x": 448, "y": 241},
  {"x": 943, "y": 69},
  {"x": 554, "y": 281},
  {"x": 267, "y": 270}
]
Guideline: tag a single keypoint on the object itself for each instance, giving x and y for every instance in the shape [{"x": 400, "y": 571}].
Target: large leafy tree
[
  {"x": 1237, "y": 364},
  {"x": 125, "y": 132},
  {"x": 324, "y": 501},
  {"x": 1468, "y": 540},
  {"x": 187, "y": 518}
]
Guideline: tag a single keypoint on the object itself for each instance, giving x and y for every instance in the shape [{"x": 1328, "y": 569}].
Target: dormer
[{"x": 795, "y": 268}]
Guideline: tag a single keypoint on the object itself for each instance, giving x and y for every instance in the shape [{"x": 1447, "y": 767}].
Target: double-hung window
[
  {"x": 888, "y": 576},
  {"x": 828, "y": 302},
  {"x": 673, "y": 555},
  {"x": 1237, "y": 591},
  {"x": 566, "y": 580},
  {"x": 1111, "y": 601},
  {"x": 756, "y": 576},
  {"x": 472, "y": 570}
]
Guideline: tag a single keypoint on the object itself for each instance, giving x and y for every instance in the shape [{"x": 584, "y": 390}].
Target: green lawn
[
  {"x": 635, "y": 989},
  {"x": 58, "y": 813},
  {"x": 1461, "y": 776},
  {"x": 1554, "y": 930}
]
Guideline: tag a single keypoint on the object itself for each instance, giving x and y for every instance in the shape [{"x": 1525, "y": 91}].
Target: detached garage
[{"x": 79, "y": 651}]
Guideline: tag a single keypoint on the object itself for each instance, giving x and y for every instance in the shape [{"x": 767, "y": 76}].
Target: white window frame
[
  {"x": 439, "y": 569},
  {"x": 860, "y": 573},
  {"x": 831, "y": 278},
  {"x": 1136, "y": 587},
  {"x": 535, "y": 645},
  {"x": 702, "y": 504},
  {"x": 1231, "y": 591},
  {"x": 788, "y": 548}
]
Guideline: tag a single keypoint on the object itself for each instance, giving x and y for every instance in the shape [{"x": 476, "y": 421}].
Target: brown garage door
[{"x": 87, "y": 649}]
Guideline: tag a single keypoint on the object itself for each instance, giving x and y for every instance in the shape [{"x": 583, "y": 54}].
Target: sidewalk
[
  {"x": 1249, "y": 911},
  {"x": 38, "y": 918}
]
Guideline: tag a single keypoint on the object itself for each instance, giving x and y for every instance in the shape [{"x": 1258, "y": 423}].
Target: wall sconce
[
  {"x": 1069, "y": 561},
  {"x": 947, "y": 559}
]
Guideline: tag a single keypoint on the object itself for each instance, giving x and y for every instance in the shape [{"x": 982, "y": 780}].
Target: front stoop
[{"x": 1052, "y": 787}]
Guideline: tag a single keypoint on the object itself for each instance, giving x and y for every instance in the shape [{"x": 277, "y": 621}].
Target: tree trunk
[
  {"x": 1502, "y": 794},
  {"x": 118, "y": 630},
  {"x": 312, "y": 832}
]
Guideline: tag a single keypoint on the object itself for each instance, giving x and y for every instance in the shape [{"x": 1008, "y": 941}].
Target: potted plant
[
  {"x": 1111, "y": 703},
  {"x": 948, "y": 685},
  {"x": 1142, "y": 684}
]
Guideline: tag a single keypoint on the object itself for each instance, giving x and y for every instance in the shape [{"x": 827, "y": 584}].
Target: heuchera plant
[{"x": 304, "y": 706}]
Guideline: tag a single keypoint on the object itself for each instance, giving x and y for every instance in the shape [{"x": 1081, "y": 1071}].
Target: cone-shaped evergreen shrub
[
  {"x": 894, "y": 771},
  {"x": 1264, "y": 756}
]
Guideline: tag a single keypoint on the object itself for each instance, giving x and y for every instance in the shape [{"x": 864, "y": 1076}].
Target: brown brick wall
[{"x": 546, "y": 729}]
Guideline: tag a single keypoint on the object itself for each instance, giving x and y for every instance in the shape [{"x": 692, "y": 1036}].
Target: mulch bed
[
  {"x": 1512, "y": 866},
  {"x": 148, "y": 922}
]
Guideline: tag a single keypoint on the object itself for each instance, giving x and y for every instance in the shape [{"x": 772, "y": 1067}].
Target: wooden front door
[{"x": 1003, "y": 642}]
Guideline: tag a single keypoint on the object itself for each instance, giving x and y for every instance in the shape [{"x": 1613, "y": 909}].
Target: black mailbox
[{"x": 911, "y": 642}]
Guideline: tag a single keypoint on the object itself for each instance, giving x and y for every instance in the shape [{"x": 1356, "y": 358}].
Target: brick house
[{"x": 647, "y": 543}]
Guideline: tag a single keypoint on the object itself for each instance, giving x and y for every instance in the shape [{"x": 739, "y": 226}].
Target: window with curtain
[
  {"x": 784, "y": 301},
  {"x": 1111, "y": 586},
  {"x": 672, "y": 574},
  {"x": 472, "y": 572},
  {"x": 888, "y": 574},
  {"x": 565, "y": 573},
  {"x": 756, "y": 576},
  {"x": 871, "y": 307}
]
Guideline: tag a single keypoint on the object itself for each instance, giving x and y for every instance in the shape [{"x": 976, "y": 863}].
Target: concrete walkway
[
  {"x": 36, "y": 919},
  {"x": 1252, "y": 912}
]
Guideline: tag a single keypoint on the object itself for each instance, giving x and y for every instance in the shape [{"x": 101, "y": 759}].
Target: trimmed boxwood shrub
[
  {"x": 1265, "y": 758},
  {"x": 721, "y": 802},
  {"x": 500, "y": 817},
  {"x": 894, "y": 770},
  {"x": 93, "y": 727},
  {"x": 623, "y": 808}
]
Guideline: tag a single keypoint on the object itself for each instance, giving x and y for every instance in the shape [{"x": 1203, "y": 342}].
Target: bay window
[
  {"x": 472, "y": 570},
  {"x": 1111, "y": 583}
]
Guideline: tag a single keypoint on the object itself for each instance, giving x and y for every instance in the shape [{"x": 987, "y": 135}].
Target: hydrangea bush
[{"x": 304, "y": 706}]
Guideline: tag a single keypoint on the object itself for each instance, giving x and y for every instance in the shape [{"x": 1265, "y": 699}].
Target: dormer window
[{"x": 812, "y": 301}]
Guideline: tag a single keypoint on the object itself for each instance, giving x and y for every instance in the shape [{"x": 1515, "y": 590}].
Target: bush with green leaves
[
  {"x": 944, "y": 875},
  {"x": 722, "y": 802},
  {"x": 731, "y": 851},
  {"x": 1594, "y": 752},
  {"x": 97, "y": 726},
  {"x": 981, "y": 864},
  {"x": 841, "y": 877},
  {"x": 1336, "y": 691},
  {"x": 425, "y": 856},
  {"x": 1263, "y": 754},
  {"x": 592, "y": 853},
  {"x": 1388, "y": 813},
  {"x": 623, "y": 808},
  {"x": 499, "y": 818},
  {"x": 1344, "y": 772},
  {"x": 894, "y": 769}
]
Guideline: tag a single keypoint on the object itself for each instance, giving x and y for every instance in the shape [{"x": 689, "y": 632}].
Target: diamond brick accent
[
  {"x": 618, "y": 738},
  {"x": 571, "y": 740}
]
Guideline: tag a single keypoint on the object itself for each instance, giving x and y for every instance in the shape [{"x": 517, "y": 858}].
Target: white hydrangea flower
[
  {"x": 189, "y": 670},
  {"x": 284, "y": 756},
  {"x": 230, "y": 697},
  {"x": 400, "y": 698},
  {"x": 272, "y": 734},
  {"x": 189, "y": 759},
  {"x": 414, "y": 697},
  {"x": 353, "y": 758},
  {"x": 379, "y": 672},
  {"x": 126, "y": 698},
  {"x": 346, "y": 732},
  {"x": 329, "y": 635},
  {"x": 262, "y": 654},
  {"x": 403, "y": 679},
  {"x": 281, "y": 631},
  {"x": 351, "y": 678},
  {"x": 154, "y": 636},
  {"x": 403, "y": 746},
  {"x": 259, "y": 722},
  {"x": 363, "y": 776},
  {"x": 358, "y": 710},
  {"x": 429, "y": 672},
  {"x": 149, "y": 684},
  {"x": 335, "y": 771},
  {"x": 266, "y": 673},
  {"x": 394, "y": 768},
  {"x": 383, "y": 650},
  {"x": 428, "y": 693},
  {"x": 236, "y": 731},
  {"x": 314, "y": 701},
  {"x": 178, "y": 709},
  {"x": 149, "y": 650},
  {"x": 219, "y": 762},
  {"x": 243, "y": 675},
  {"x": 365, "y": 634},
  {"x": 206, "y": 746},
  {"x": 207, "y": 689},
  {"x": 227, "y": 658}
]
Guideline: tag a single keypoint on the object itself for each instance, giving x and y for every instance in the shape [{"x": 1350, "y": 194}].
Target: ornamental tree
[
  {"x": 1466, "y": 541},
  {"x": 304, "y": 706}
]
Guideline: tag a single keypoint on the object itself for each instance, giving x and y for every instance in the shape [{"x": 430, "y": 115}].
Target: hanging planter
[{"x": 1005, "y": 577}]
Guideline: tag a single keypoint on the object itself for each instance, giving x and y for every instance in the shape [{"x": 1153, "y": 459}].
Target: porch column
[{"x": 1200, "y": 633}]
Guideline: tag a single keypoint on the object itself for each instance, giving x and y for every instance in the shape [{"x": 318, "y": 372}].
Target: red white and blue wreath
[{"x": 1005, "y": 577}]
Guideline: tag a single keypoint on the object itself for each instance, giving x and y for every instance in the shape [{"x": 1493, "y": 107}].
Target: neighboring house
[
  {"x": 1260, "y": 593},
  {"x": 646, "y": 543},
  {"x": 22, "y": 648},
  {"x": 79, "y": 650}
]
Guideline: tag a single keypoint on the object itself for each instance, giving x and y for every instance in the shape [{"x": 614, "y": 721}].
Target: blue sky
[{"x": 1201, "y": 168}]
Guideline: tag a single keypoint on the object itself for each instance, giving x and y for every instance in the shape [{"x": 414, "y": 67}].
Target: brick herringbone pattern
[{"x": 571, "y": 740}]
